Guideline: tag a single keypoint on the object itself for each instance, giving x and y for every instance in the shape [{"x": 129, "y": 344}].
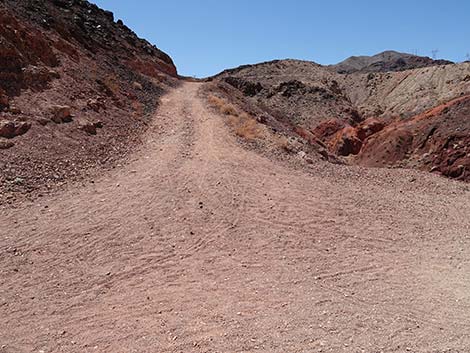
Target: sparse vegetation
[
  {"x": 222, "y": 106},
  {"x": 245, "y": 126},
  {"x": 283, "y": 143},
  {"x": 242, "y": 124},
  {"x": 111, "y": 84}
]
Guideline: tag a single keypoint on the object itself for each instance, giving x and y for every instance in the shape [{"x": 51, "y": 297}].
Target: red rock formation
[
  {"x": 369, "y": 127},
  {"x": 343, "y": 139},
  {"x": 437, "y": 140},
  {"x": 345, "y": 142},
  {"x": 328, "y": 128}
]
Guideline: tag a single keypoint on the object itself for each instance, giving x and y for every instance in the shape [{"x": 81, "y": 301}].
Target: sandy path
[{"x": 199, "y": 245}]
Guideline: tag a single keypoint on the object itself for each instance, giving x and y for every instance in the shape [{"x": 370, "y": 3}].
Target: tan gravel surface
[{"x": 197, "y": 244}]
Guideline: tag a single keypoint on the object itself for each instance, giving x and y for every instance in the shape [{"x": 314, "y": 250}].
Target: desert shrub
[
  {"x": 242, "y": 124},
  {"x": 112, "y": 85},
  {"x": 222, "y": 106},
  {"x": 283, "y": 143},
  {"x": 214, "y": 100},
  {"x": 245, "y": 126},
  {"x": 228, "y": 109}
]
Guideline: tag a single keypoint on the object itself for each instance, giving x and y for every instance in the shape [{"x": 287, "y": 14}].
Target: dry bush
[
  {"x": 112, "y": 84},
  {"x": 283, "y": 143},
  {"x": 215, "y": 101},
  {"x": 228, "y": 109},
  {"x": 245, "y": 126},
  {"x": 223, "y": 106}
]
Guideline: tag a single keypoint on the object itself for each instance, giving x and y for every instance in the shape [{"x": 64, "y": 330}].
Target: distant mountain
[{"x": 386, "y": 61}]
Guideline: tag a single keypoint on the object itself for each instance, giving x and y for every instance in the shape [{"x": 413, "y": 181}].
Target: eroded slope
[{"x": 343, "y": 111}]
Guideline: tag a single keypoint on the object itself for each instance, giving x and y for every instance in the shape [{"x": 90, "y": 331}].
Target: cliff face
[{"x": 76, "y": 90}]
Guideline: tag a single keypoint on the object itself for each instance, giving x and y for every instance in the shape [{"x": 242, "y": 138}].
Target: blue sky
[{"x": 206, "y": 36}]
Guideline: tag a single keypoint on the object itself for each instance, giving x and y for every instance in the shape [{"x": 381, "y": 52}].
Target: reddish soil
[{"x": 197, "y": 244}]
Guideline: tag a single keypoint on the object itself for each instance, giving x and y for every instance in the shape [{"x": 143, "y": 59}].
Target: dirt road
[{"x": 200, "y": 245}]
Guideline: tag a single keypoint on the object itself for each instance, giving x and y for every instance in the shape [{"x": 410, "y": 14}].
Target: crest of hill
[{"x": 386, "y": 61}]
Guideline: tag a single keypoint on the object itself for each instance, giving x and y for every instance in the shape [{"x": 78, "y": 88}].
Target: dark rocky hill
[
  {"x": 386, "y": 61},
  {"x": 76, "y": 90}
]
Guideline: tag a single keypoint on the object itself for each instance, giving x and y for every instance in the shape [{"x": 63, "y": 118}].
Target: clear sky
[{"x": 206, "y": 36}]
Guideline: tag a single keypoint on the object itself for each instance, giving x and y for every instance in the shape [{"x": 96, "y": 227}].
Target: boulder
[
  {"x": 323, "y": 152},
  {"x": 98, "y": 124},
  {"x": 369, "y": 127},
  {"x": 5, "y": 144},
  {"x": 11, "y": 129},
  {"x": 22, "y": 128},
  {"x": 90, "y": 127},
  {"x": 457, "y": 171},
  {"x": 61, "y": 114},
  {"x": 14, "y": 110},
  {"x": 328, "y": 128},
  {"x": 137, "y": 86},
  {"x": 4, "y": 101},
  {"x": 346, "y": 142},
  {"x": 95, "y": 104},
  {"x": 7, "y": 129},
  {"x": 43, "y": 121}
]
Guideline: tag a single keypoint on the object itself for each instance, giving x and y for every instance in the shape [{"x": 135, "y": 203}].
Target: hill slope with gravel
[
  {"x": 77, "y": 89},
  {"x": 197, "y": 240}
]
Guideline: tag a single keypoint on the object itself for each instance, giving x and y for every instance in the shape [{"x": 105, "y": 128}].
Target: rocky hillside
[
  {"x": 302, "y": 92},
  {"x": 350, "y": 114},
  {"x": 384, "y": 62},
  {"x": 76, "y": 90}
]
